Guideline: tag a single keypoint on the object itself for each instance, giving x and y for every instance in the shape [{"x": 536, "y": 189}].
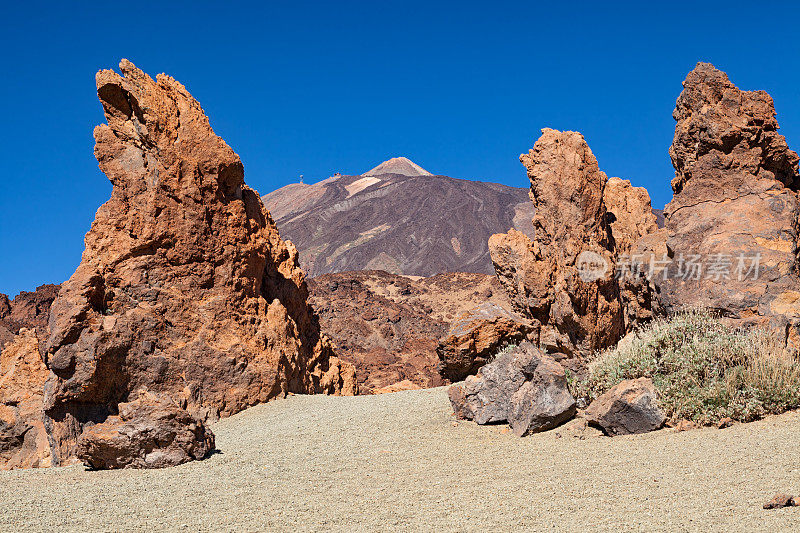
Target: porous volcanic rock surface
[
  {"x": 23, "y": 328},
  {"x": 389, "y": 326},
  {"x": 579, "y": 221},
  {"x": 29, "y": 310},
  {"x": 418, "y": 225},
  {"x": 627, "y": 408},
  {"x": 735, "y": 198},
  {"x": 149, "y": 432},
  {"x": 23, "y": 438},
  {"x": 185, "y": 287},
  {"x": 524, "y": 387},
  {"x": 477, "y": 335},
  {"x": 629, "y": 212}
]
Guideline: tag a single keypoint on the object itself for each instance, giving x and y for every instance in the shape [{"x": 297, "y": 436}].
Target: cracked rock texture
[
  {"x": 185, "y": 288},
  {"x": 734, "y": 199},
  {"x": 390, "y": 326},
  {"x": 565, "y": 277},
  {"x": 477, "y": 335},
  {"x": 524, "y": 387},
  {"x": 28, "y": 310},
  {"x": 149, "y": 432},
  {"x": 23, "y": 438},
  {"x": 629, "y": 407}
]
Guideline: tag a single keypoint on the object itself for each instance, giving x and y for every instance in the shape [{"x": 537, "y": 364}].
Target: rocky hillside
[
  {"x": 399, "y": 218},
  {"x": 390, "y": 326},
  {"x": 28, "y": 310}
]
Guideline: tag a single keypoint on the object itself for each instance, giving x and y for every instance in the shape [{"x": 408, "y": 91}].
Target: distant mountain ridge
[
  {"x": 400, "y": 218},
  {"x": 397, "y": 217}
]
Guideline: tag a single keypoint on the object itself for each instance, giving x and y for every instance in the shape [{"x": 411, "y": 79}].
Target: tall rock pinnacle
[
  {"x": 185, "y": 288},
  {"x": 735, "y": 208}
]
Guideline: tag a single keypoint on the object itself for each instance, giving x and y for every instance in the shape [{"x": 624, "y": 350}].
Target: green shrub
[{"x": 704, "y": 370}]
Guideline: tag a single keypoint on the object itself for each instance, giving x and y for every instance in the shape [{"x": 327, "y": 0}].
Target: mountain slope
[{"x": 405, "y": 224}]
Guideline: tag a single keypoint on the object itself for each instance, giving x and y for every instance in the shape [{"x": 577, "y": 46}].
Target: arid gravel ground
[{"x": 399, "y": 462}]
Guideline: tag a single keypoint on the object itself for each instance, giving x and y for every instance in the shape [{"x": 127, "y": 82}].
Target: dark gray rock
[
  {"x": 485, "y": 397},
  {"x": 629, "y": 407},
  {"x": 543, "y": 402},
  {"x": 524, "y": 387}
]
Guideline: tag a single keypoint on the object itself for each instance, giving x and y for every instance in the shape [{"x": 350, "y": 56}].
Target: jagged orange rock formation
[
  {"x": 566, "y": 277},
  {"x": 735, "y": 208},
  {"x": 185, "y": 288},
  {"x": 631, "y": 214}
]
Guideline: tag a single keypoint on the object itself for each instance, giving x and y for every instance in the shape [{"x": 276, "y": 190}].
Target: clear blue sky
[{"x": 296, "y": 88}]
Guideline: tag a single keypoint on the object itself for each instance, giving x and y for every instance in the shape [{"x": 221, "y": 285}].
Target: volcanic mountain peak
[{"x": 398, "y": 165}]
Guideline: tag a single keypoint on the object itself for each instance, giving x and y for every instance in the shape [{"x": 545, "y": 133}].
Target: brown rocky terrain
[
  {"x": 477, "y": 336},
  {"x": 352, "y": 222},
  {"x": 400, "y": 218},
  {"x": 735, "y": 201},
  {"x": 397, "y": 219},
  {"x": 23, "y": 325},
  {"x": 188, "y": 306},
  {"x": 149, "y": 432},
  {"x": 392, "y": 327},
  {"x": 23, "y": 437}
]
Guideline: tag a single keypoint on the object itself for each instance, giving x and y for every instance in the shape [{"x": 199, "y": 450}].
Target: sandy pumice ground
[{"x": 399, "y": 462}]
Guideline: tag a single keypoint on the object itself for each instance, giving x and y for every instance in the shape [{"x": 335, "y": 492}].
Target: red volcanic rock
[
  {"x": 5, "y": 306},
  {"x": 149, "y": 432},
  {"x": 637, "y": 241},
  {"x": 28, "y": 310},
  {"x": 631, "y": 215},
  {"x": 565, "y": 277},
  {"x": 389, "y": 326},
  {"x": 185, "y": 288},
  {"x": 477, "y": 335},
  {"x": 735, "y": 200},
  {"x": 780, "y": 501},
  {"x": 397, "y": 387},
  {"x": 23, "y": 439},
  {"x": 6, "y": 335}
]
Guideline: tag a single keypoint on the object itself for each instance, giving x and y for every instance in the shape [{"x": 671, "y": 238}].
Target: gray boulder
[
  {"x": 629, "y": 407},
  {"x": 524, "y": 387},
  {"x": 543, "y": 402}
]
